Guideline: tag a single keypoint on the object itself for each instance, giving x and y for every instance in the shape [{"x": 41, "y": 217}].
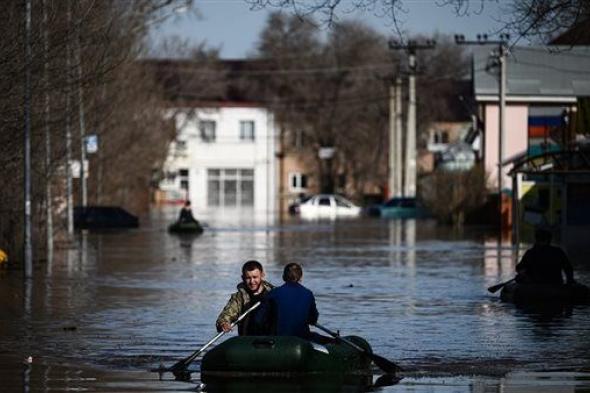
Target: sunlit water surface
[{"x": 98, "y": 316}]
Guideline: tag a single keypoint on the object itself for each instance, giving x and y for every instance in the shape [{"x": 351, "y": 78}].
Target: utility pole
[
  {"x": 83, "y": 191},
  {"x": 409, "y": 189},
  {"x": 392, "y": 184},
  {"x": 398, "y": 137},
  {"x": 395, "y": 138},
  {"x": 28, "y": 247},
  {"x": 410, "y": 175},
  {"x": 499, "y": 57},
  {"x": 69, "y": 195},
  {"x": 48, "y": 196}
]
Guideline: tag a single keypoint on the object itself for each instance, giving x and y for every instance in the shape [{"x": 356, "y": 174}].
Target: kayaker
[
  {"x": 544, "y": 263},
  {"x": 252, "y": 289},
  {"x": 288, "y": 310},
  {"x": 186, "y": 214}
]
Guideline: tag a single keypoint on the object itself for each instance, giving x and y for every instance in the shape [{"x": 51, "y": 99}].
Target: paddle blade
[
  {"x": 386, "y": 365},
  {"x": 182, "y": 375},
  {"x": 179, "y": 366},
  {"x": 497, "y": 287}
]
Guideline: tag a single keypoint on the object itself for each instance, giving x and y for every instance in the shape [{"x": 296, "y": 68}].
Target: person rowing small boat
[
  {"x": 540, "y": 276},
  {"x": 278, "y": 339},
  {"x": 186, "y": 222},
  {"x": 287, "y": 346},
  {"x": 543, "y": 264},
  {"x": 250, "y": 291}
]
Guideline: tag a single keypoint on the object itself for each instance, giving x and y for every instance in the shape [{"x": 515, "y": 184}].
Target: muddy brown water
[{"x": 98, "y": 316}]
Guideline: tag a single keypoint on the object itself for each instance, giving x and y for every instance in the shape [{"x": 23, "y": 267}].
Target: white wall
[{"x": 229, "y": 152}]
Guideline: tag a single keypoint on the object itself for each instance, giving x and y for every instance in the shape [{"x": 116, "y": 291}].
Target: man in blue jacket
[{"x": 288, "y": 310}]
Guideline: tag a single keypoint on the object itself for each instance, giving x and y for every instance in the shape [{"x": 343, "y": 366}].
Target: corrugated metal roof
[{"x": 535, "y": 71}]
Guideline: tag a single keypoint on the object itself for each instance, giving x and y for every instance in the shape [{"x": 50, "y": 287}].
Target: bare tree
[
  {"x": 110, "y": 35},
  {"x": 538, "y": 20},
  {"x": 440, "y": 72},
  {"x": 333, "y": 93},
  {"x": 451, "y": 195}
]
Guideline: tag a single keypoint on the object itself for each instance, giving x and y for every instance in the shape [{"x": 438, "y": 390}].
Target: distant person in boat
[
  {"x": 252, "y": 289},
  {"x": 544, "y": 263},
  {"x": 288, "y": 310},
  {"x": 186, "y": 214},
  {"x": 3, "y": 258}
]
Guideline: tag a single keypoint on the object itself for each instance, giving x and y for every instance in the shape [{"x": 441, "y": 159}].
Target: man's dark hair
[
  {"x": 543, "y": 235},
  {"x": 292, "y": 272},
  {"x": 251, "y": 265}
]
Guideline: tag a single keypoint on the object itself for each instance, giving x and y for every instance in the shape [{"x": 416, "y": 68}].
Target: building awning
[{"x": 572, "y": 160}]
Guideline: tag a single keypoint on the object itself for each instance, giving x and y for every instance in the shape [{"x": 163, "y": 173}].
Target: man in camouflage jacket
[{"x": 252, "y": 289}]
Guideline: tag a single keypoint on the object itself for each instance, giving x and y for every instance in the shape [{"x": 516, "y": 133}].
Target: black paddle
[
  {"x": 179, "y": 369},
  {"x": 497, "y": 287},
  {"x": 386, "y": 365}
]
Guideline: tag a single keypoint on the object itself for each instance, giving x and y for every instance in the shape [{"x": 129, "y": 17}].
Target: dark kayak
[
  {"x": 192, "y": 227},
  {"x": 535, "y": 293},
  {"x": 246, "y": 356}
]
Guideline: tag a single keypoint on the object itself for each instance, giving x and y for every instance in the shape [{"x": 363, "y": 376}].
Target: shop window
[{"x": 230, "y": 187}]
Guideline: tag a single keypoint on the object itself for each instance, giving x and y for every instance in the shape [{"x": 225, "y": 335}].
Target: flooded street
[{"x": 99, "y": 316}]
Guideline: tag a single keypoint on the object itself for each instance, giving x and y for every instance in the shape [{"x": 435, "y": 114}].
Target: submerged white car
[{"x": 328, "y": 206}]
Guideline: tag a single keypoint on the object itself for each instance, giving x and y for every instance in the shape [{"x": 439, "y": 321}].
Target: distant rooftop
[{"x": 557, "y": 72}]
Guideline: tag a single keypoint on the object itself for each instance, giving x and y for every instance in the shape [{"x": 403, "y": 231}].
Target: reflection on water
[
  {"x": 304, "y": 383},
  {"x": 67, "y": 378},
  {"x": 127, "y": 301}
]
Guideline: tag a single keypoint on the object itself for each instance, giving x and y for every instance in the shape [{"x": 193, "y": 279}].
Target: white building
[{"x": 223, "y": 160}]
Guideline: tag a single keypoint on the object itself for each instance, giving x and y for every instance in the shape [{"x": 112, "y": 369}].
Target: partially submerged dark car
[
  {"x": 103, "y": 217},
  {"x": 399, "y": 208}
]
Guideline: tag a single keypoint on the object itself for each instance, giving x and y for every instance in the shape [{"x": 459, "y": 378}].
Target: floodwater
[{"x": 99, "y": 316}]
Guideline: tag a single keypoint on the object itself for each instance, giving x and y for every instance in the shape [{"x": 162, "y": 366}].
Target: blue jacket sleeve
[{"x": 313, "y": 312}]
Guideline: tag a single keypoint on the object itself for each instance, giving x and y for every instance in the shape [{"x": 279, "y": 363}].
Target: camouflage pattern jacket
[{"x": 239, "y": 302}]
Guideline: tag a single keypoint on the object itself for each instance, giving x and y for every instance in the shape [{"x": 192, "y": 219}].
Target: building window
[
  {"x": 230, "y": 187},
  {"x": 298, "y": 139},
  {"x": 180, "y": 145},
  {"x": 441, "y": 136},
  {"x": 170, "y": 176},
  {"x": 297, "y": 182},
  {"x": 247, "y": 132},
  {"x": 183, "y": 176},
  {"x": 207, "y": 130}
]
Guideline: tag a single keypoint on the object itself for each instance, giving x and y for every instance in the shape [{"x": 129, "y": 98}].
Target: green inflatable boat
[
  {"x": 193, "y": 227},
  {"x": 284, "y": 356}
]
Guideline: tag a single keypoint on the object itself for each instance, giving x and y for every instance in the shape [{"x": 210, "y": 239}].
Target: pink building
[
  {"x": 547, "y": 138},
  {"x": 542, "y": 86}
]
